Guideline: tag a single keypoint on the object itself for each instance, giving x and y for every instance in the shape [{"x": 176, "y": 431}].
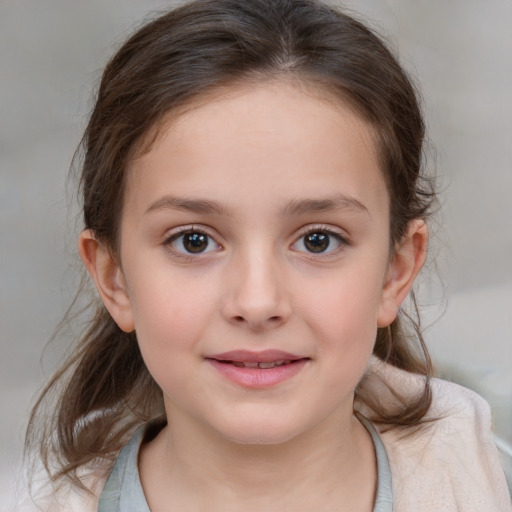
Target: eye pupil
[
  {"x": 195, "y": 242},
  {"x": 316, "y": 242}
]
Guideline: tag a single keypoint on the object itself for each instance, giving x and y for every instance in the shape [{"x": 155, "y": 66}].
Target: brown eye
[
  {"x": 192, "y": 242},
  {"x": 195, "y": 242},
  {"x": 320, "y": 241},
  {"x": 316, "y": 242}
]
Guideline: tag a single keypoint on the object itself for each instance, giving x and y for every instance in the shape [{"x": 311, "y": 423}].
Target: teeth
[
  {"x": 263, "y": 366},
  {"x": 274, "y": 363}
]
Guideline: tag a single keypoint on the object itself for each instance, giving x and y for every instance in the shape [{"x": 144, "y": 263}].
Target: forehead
[{"x": 272, "y": 139}]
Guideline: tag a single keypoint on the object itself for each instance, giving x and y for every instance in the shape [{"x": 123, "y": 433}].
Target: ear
[
  {"x": 405, "y": 265},
  {"x": 108, "y": 278}
]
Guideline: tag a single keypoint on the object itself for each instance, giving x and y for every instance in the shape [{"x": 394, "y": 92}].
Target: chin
[
  {"x": 260, "y": 439},
  {"x": 260, "y": 433}
]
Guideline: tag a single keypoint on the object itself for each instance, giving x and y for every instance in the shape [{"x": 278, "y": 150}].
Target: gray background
[{"x": 51, "y": 55}]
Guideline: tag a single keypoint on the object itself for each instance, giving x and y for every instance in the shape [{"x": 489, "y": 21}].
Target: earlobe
[
  {"x": 108, "y": 278},
  {"x": 405, "y": 265}
]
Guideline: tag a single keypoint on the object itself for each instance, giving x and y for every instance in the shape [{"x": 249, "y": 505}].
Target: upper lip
[{"x": 248, "y": 356}]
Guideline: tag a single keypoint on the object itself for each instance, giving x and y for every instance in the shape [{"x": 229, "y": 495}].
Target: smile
[{"x": 258, "y": 369}]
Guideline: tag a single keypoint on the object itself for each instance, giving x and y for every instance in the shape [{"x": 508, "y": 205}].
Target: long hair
[{"x": 104, "y": 388}]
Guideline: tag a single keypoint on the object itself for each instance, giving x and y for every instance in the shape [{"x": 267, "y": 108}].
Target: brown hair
[{"x": 104, "y": 388}]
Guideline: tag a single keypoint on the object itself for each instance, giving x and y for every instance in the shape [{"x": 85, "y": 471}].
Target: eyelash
[
  {"x": 168, "y": 242},
  {"x": 309, "y": 230},
  {"x": 330, "y": 232}
]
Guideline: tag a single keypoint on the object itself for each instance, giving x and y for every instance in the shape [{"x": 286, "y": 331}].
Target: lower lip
[{"x": 258, "y": 377}]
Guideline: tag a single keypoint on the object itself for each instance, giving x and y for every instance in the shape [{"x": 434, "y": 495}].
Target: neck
[{"x": 190, "y": 469}]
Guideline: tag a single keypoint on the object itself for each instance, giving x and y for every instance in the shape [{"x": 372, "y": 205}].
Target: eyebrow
[
  {"x": 198, "y": 205},
  {"x": 339, "y": 202}
]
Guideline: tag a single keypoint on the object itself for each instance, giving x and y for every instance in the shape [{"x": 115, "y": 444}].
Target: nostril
[{"x": 239, "y": 319}]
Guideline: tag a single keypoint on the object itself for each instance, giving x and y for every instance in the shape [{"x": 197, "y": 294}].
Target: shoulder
[
  {"x": 450, "y": 462},
  {"x": 48, "y": 496},
  {"x": 450, "y": 401}
]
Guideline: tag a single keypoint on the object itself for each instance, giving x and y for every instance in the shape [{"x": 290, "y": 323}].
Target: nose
[{"x": 255, "y": 293}]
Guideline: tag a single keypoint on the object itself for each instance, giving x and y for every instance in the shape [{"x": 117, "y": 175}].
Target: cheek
[
  {"x": 344, "y": 313},
  {"x": 170, "y": 324},
  {"x": 348, "y": 329},
  {"x": 354, "y": 292},
  {"x": 170, "y": 314}
]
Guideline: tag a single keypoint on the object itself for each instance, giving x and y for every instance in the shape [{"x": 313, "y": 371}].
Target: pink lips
[{"x": 257, "y": 369}]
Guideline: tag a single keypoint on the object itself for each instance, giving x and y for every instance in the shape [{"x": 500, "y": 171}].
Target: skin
[{"x": 264, "y": 156}]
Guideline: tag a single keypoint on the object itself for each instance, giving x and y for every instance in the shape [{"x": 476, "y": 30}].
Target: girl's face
[{"x": 255, "y": 262}]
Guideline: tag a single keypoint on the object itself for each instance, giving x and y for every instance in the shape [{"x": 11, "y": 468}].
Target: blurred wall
[{"x": 51, "y": 55}]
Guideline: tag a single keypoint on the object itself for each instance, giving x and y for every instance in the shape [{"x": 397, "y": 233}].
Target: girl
[{"x": 255, "y": 214}]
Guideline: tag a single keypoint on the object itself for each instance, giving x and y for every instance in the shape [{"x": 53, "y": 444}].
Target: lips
[
  {"x": 258, "y": 369},
  {"x": 265, "y": 356}
]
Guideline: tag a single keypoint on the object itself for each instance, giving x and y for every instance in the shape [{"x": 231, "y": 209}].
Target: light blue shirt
[{"x": 123, "y": 491}]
